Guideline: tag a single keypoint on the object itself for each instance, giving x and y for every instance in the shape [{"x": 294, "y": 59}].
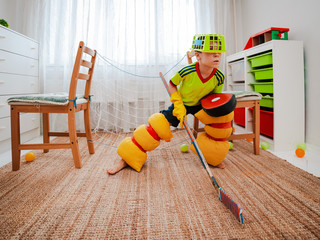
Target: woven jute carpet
[{"x": 171, "y": 198}]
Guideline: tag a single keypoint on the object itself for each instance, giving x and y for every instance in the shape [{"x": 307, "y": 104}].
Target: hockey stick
[{"x": 226, "y": 199}]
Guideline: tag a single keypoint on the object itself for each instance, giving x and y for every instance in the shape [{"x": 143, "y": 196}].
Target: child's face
[{"x": 209, "y": 59}]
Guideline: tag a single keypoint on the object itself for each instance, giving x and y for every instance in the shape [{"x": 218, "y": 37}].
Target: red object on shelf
[
  {"x": 266, "y": 35},
  {"x": 266, "y": 122},
  {"x": 239, "y": 116}
]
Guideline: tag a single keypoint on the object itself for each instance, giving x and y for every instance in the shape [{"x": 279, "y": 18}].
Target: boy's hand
[
  {"x": 191, "y": 54},
  {"x": 179, "y": 110}
]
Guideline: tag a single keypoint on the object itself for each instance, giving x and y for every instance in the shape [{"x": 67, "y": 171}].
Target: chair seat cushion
[
  {"x": 245, "y": 95},
  {"x": 47, "y": 98}
]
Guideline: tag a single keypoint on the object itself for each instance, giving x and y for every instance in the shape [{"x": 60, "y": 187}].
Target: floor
[
  {"x": 310, "y": 162},
  {"x": 172, "y": 197}
]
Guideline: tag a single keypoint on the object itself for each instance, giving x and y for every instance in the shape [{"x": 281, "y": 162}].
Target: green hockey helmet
[{"x": 210, "y": 43}]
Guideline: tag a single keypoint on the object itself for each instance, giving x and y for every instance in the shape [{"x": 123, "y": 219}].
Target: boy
[{"x": 195, "y": 81}]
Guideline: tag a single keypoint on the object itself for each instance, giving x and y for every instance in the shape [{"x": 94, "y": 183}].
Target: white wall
[
  {"x": 8, "y": 11},
  {"x": 303, "y": 20}
]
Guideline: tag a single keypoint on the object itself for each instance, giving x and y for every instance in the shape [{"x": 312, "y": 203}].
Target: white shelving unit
[
  {"x": 19, "y": 74},
  {"x": 288, "y": 89}
]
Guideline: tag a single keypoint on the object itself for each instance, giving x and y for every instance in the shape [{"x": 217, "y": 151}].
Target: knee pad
[
  {"x": 145, "y": 138},
  {"x": 161, "y": 125},
  {"x": 132, "y": 154},
  {"x": 213, "y": 151},
  {"x": 207, "y": 119},
  {"x": 213, "y": 142}
]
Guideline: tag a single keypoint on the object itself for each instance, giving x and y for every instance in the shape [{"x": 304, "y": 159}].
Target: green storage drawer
[
  {"x": 261, "y": 60},
  {"x": 263, "y": 87},
  {"x": 266, "y": 101},
  {"x": 263, "y": 74}
]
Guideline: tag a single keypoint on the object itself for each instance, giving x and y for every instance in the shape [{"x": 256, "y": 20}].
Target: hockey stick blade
[{"x": 232, "y": 205}]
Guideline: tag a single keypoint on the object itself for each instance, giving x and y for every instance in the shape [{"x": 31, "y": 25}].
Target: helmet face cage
[{"x": 209, "y": 43}]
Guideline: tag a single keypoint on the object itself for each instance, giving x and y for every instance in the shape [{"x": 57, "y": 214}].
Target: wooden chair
[
  {"x": 48, "y": 103},
  {"x": 250, "y": 101}
]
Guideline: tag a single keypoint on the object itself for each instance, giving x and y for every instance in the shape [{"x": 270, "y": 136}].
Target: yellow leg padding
[
  {"x": 145, "y": 140},
  {"x": 207, "y": 119},
  {"x": 161, "y": 125},
  {"x": 213, "y": 151},
  {"x": 131, "y": 154},
  {"x": 218, "y": 132}
]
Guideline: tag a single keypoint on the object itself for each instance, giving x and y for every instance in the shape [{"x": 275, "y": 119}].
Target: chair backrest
[{"x": 85, "y": 59}]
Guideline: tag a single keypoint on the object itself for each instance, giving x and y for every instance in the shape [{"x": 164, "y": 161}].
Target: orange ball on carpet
[
  {"x": 29, "y": 157},
  {"x": 300, "y": 152}
]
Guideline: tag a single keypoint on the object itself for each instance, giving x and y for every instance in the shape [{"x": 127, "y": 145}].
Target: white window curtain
[{"x": 135, "y": 40}]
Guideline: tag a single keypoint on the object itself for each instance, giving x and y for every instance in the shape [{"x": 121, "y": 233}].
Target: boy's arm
[
  {"x": 220, "y": 82},
  {"x": 172, "y": 88},
  {"x": 218, "y": 89}
]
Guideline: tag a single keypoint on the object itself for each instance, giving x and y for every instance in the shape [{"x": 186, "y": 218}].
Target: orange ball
[
  {"x": 249, "y": 139},
  {"x": 29, "y": 157},
  {"x": 300, "y": 152},
  {"x": 168, "y": 140}
]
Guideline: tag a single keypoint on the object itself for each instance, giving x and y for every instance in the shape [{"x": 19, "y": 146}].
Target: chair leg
[
  {"x": 15, "y": 139},
  {"x": 256, "y": 127},
  {"x": 195, "y": 126},
  {"x": 73, "y": 138},
  {"x": 87, "y": 126},
  {"x": 45, "y": 129}
]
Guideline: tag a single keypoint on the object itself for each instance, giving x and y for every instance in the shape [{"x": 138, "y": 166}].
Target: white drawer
[
  {"x": 237, "y": 71},
  {"x": 17, "y": 43},
  {"x": 18, "y": 84},
  {"x": 16, "y": 64},
  {"x": 4, "y": 107},
  {"x": 28, "y": 121}
]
